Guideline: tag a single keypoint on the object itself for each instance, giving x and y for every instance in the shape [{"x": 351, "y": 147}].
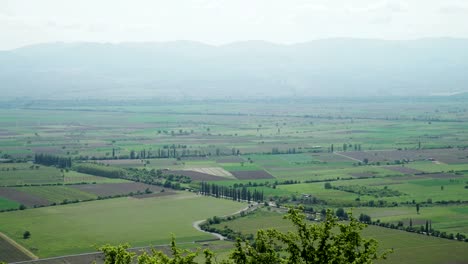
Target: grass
[
  {"x": 412, "y": 188},
  {"x": 407, "y": 246},
  {"x": 78, "y": 228},
  {"x": 428, "y": 166},
  {"x": 450, "y": 218},
  {"x": 252, "y": 128},
  {"x": 239, "y": 167},
  {"x": 23, "y": 173},
  {"x": 78, "y": 177},
  {"x": 8, "y": 204},
  {"x": 57, "y": 194}
]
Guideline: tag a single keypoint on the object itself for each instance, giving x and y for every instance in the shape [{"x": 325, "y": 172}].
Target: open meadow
[
  {"x": 79, "y": 228},
  {"x": 408, "y": 247}
]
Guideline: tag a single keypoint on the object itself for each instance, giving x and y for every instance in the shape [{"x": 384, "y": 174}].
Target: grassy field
[
  {"x": 78, "y": 228},
  {"x": 8, "y": 204},
  {"x": 78, "y": 177},
  {"x": 28, "y": 173},
  {"x": 408, "y": 247},
  {"x": 412, "y": 188},
  {"x": 57, "y": 194},
  {"x": 450, "y": 218}
]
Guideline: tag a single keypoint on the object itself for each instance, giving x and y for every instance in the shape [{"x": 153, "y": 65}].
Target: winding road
[{"x": 197, "y": 224}]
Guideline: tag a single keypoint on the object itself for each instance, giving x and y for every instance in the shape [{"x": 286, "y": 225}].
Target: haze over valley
[{"x": 251, "y": 69}]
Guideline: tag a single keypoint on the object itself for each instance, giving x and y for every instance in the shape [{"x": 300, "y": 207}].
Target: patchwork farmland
[{"x": 140, "y": 172}]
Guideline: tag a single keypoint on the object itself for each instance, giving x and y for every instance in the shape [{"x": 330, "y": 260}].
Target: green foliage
[
  {"x": 120, "y": 255},
  {"x": 117, "y": 255},
  {"x": 26, "y": 234},
  {"x": 53, "y": 160},
  {"x": 328, "y": 242},
  {"x": 311, "y": 243},
  {"x": 366, "y": 190},
  {"x": 100, "y": 170}
]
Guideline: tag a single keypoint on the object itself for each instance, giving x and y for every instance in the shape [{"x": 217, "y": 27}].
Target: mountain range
[{"x": 252, "y": 69}]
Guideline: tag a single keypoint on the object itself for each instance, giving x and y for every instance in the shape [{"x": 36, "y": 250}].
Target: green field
[
  {"x": 28, "y": 173},
  {"x": 8, "y": 204},
  {"x": 451, "y": 218},
  {"x": 57, "y": 194},
  {"x": 77, "y": 177},
  {"x": 407, "y": 246},
  {"x": 78, "y": 228},
  {"x": 381, "y": 157}
]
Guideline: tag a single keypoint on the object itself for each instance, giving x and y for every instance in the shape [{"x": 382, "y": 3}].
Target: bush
[{"x": 26, "y": 235}]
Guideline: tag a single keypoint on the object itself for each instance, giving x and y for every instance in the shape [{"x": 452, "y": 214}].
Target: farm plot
[
  {"x": 195, "y": 175},
  {"x": 21, "y": 197},
  {"x": 451, "y": 156},
  {"x": 8, "y": 204},
  {"x": 450, "y": 218},
  {"x": 428, "y": 166},
  {"x": 404, "y": 170},
  {"x": 138, "y": 163},
  {"x": 10, "y": 253},
  {"x": 78, "y": 177},
  {"x": 112, "y": 189},
  {"x": 332, "y": 174},
  {"x": 57, "y": 194},
  {"x": 428, "y": 176},
  {"x": 75, "y": 228},
  {"x": 252, "y": 175},
  {"x": 363, "y": 175},
  {"x": 216, "y": 171},
  {"x": 27, "y": 173},
  {"x": 232, "y": 159}
]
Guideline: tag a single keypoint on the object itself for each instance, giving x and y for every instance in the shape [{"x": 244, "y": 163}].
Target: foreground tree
[
  {"x": 330, "y": 241},
  {"x": 327, "y": 242}
]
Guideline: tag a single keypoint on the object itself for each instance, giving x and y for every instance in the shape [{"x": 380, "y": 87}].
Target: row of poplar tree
[
  {"x": 52, "y": 160},
  {"x": 236, "y": 194}
]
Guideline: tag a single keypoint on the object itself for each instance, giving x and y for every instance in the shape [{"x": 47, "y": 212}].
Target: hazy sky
[{"x": 25, "y": 22}]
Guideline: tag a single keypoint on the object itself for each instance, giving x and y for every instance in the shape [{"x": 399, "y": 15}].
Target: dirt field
[
  {"x": 427, "y": 176},
  {"x": 22, "y": 197},
  {"x": 9, "y": 253},
  {"x": 403, "y": 170},
  {"x": 252, "y": 175},
  {"x": 195, "y": 175},
  {"x": 362, "y": 175},
  {"x": 216, "y": 171},
  {"x": 230, "y": 160},
  {"x": 111, "y": 189}
]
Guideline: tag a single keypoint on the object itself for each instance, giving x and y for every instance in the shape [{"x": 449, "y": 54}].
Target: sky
[{"x": 26, "y": 22}]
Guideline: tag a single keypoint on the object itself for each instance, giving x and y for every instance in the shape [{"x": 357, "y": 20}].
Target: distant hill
[{"x": 330, "y": 67}]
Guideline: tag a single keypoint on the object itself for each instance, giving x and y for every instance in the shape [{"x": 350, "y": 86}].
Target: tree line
[
  {"x": 52, "y": 160},
  {"x": 236, "y": 194}
]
